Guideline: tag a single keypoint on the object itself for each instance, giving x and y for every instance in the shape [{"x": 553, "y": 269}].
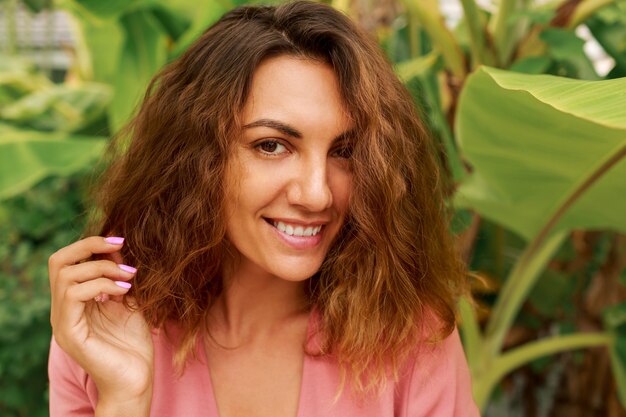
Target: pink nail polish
[
  {"x": 123, "y": 284},
  {"x": 113, "y": 240},
  {"x": 127, "y": 268}
]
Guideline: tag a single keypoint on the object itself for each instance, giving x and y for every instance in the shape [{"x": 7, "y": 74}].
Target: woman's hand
[{"x": 110, "y": 342}]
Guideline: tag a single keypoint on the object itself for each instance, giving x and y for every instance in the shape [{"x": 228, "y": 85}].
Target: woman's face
[{"x": 289, "y": 179}]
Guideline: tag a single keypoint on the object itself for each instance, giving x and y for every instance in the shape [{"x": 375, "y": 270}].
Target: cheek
[
  {"x": 255, "y": 187},
  {"x": 341, "y": 187}
]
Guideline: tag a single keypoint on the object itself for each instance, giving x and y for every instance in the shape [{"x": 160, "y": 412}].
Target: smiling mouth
[{"x": 295, "y": 230}]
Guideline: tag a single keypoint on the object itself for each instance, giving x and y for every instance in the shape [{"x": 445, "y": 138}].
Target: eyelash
[
  {"x": 259, "y": 147},
  {"x": 343, "y": 152}
]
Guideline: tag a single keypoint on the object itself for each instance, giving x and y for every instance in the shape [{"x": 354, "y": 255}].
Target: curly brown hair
[{"x": 391, "y": 276}]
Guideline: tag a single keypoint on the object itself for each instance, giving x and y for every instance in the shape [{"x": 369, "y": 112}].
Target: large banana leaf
[
  {"x": 533, "y": 140},
  {"x": 28, "y": 156},
  {"x": 143, "y": 54}
]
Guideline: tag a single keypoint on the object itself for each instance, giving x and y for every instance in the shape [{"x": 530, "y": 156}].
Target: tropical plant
[
  {"x": 536, "y": 156},
  {"x": 541, "y": 195},
  {"x": 33, "y": 225}
]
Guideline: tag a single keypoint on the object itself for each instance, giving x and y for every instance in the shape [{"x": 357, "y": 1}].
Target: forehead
[{"x": 294, "y": 89}]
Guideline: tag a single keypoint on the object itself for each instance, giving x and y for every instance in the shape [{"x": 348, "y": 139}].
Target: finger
[
  {"x": 75, "y": 297},
  {"x": 101, "y": 298},
  {"x": 84, "y": 272},
  {"x": 116, "y": 257},
  {"x": 94, "y": 269},
  {"x": 81, "y": 250}
]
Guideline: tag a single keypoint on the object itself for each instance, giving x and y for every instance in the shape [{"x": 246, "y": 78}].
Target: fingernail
[
  {"x": 114, "y": 240},
  {"x": 127, "y": 268},
  {"x": 123, "y": 284}
]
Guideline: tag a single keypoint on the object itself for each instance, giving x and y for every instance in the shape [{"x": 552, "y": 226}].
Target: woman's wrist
[{"x": 137, "y": 406}]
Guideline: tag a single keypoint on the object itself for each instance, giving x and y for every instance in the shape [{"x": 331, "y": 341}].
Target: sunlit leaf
[
  {"x": 202, "y": 18},
  {"x": 59, "y": 108},
  {"x": 108, "y": 8},
  {"x": 417, "y": 66},
  {"x": 28, "y": 156},
  {"x": 143, "y": 54},
  {"x": 174, "y": 22},
  {"x": 532, "y": 140}
]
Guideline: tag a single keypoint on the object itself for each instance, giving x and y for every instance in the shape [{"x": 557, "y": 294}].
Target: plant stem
[
  {"x": 537, "y": 254},
  {"x": 584, "y": 10},
  {"x": 415, "y": 44},
  {"x": 515, "y": 289},
  {"x": 517, "y": 357},
  {"x": 479, "y": 47},
  {"x": 602, "y": 168},
  {"x": 472, "y": 339},
  {"x": 501, "y": 29},
  {"x": 440, "y": 123},
  {"x": 433, "y": 23}
]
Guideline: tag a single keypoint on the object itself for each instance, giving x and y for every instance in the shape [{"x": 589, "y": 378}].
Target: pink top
[{"x": 435, "y": 383}]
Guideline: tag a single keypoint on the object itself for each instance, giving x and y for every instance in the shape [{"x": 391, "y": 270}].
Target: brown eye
[
  {"x": 271, "y": 147},
  {"x": 344, "y": 152}
]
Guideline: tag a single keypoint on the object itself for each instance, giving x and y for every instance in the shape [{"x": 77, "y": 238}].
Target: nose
[{"x": 309, "y": 188}]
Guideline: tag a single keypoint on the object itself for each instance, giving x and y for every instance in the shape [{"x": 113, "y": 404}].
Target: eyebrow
[
  {"x": 275, "y": 124},
  {"x": 290, "y": 131}
]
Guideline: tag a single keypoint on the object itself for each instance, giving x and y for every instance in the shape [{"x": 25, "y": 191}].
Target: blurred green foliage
[{"x": 33, "y": 225}]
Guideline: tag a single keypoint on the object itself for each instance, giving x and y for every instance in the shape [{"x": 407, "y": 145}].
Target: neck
[{"x": 255, "y": 304}]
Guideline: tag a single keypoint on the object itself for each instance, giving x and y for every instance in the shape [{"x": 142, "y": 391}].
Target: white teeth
[{"x": 298, "y": 231}]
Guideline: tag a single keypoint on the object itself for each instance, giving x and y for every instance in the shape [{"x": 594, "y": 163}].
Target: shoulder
[{"x": 436, "y": 381}]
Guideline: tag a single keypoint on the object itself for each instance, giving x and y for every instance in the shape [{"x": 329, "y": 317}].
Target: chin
[{"x": 296, "y": 274}]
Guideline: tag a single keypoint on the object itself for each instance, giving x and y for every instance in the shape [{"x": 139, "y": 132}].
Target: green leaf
[
  {"x": 417, "y": 67},
  {"x": 18, "y": 79},
  {"x": 106, "y": 9},
  {"x": 564, "y": 45},
  {"x": 174, "y": 22},
  {"x": 143, "y": 54},
  {"x": 104, "y": 40},
  {"x": 28, "y": 156},
  {"x": 609, "y": 29},
  {"x": 533, "y": 140},
  {"x": 536, "y": 16},
  {"x": 532, "y": 65},
  {"x": 59, "y": 108},
  {"x": 202, "y": 18}
]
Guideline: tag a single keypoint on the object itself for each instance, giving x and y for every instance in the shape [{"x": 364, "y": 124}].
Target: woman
[{"x": 281, "y": 209}]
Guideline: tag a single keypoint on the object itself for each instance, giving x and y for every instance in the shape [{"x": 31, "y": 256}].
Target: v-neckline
[{"x": 214, "y": 409}]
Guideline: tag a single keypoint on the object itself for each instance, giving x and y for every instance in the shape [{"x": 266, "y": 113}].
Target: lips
[
  {"x": 297, "y": 230},
  {"x": 298, "y": 235}
]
